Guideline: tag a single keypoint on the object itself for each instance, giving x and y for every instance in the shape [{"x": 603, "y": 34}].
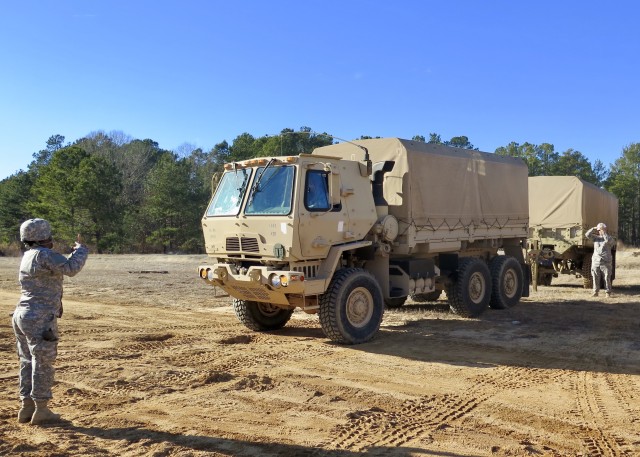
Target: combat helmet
[{"x": 33, "y": 230}]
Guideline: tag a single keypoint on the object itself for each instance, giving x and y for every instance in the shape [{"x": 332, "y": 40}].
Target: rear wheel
[
  {"x": 261, "y": 316},
  {"x": 587, "y": 276},
  {"x": 470, "y": 291},
  {"x": 351, "y": 309},
  {"x": 429, "y": 296},
  {"x": 506, "y": 282}
]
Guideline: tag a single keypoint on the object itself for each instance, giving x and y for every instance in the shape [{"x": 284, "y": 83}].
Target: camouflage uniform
[
  {"x": 35, "y": 320},
  {"x": 602, "y": 260}
]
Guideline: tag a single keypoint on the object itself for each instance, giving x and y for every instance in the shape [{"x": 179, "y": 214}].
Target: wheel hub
[
  {"x": 476, "y": 288},
  {"x": 359, "y": 307},
  {"x": 510, "y": 284},
  {"x": 267, "y": 309}
]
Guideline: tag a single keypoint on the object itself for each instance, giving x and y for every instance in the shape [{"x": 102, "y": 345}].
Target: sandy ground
[{"x": 150, "y": 364}]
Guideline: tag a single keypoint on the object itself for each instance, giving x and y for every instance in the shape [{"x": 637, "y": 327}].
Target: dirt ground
[{"x": 150, "y": 364}]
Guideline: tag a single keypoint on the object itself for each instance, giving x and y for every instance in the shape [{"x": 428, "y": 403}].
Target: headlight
[
  {"x": 274, "y": 280},
  {"x": 211, "y": 275}
]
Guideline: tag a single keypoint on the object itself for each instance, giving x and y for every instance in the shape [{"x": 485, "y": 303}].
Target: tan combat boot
[
  {"x": 26, "y": 410},
  {"x": 42, "y": 414}
]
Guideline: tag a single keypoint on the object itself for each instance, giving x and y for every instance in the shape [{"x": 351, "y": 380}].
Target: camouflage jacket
[
  {"x": 601, "y": 247},
  {"x": 41, "y": 276}
]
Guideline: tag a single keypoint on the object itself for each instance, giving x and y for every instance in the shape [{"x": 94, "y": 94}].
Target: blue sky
[{"x": 199, "y": 72}]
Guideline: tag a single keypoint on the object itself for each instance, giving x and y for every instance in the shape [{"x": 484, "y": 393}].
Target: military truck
[
  {"x": 561, "y": 210},
  {"x": 353, "y": 226}
]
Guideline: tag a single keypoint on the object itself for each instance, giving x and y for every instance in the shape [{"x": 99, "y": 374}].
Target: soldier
[
  {"x": 35, "y": 320},
  {"x": 601, "y": 261}
]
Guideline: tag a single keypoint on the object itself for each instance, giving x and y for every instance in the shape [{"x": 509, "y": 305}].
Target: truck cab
[{"x": 276, "y": 228}]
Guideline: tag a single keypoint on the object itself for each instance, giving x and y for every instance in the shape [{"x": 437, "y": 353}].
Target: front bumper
[{"x": 257, "y": 284}]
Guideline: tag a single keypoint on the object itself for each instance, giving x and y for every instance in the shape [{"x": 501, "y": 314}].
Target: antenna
[
  {"x": 369, "y": 170},
  {"x": 312, "y": 132}
]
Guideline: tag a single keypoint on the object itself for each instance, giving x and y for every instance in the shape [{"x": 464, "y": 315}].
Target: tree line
[{"x": 127, "y": 195}]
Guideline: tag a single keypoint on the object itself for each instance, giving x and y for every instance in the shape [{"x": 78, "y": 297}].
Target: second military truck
[
  {"x": 561, "y": 210},
  {"x": 353, "y": 226}
]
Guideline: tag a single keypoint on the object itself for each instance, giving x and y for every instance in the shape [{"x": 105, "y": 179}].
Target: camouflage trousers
[
  {"x": 598, "y": 270},
  {"x": 36, "y": 333}
]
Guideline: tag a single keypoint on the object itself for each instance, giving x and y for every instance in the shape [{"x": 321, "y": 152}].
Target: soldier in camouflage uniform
[
  {"x": 602, "y": 260},
  {"x": 35, "y": 320}
]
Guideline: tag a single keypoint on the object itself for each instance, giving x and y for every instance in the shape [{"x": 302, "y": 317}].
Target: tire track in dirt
[
  {"x": 420, "y": 418},
  {"x": 103, "y": 330},
  {"x": 117, "y": 390},
  {"x": 627, "y": 392},
  {"x": 235, "y": 354},
  {"x": 145, "y": 343},
  {"x": 415, "y": 419},
  {"x": 200, "y": 362},
  {"x": 596, "y": 436}
]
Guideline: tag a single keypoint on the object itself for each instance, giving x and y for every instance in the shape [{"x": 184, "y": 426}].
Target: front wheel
[
  {"x": 351, "y": 309},
  {"x": 261, "y": 316},
  {"x": 506, "y": 282},
  {"x": 470, "y": 291}
]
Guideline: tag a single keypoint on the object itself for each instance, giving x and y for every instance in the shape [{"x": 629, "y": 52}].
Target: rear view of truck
[{"x": 561, "y": 210}]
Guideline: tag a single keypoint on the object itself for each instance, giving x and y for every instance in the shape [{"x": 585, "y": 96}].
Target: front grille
[
  {"x": 249, "y": 244},
  {"x": 309, "y": 271},
  {"x": 245, "y": 244},
  {"x": 233, "y": 244}
]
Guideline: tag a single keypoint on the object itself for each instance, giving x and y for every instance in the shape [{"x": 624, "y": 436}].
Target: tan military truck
[
  {"x": 561, "y": 210},
  {"x": 352, "y": 226}
]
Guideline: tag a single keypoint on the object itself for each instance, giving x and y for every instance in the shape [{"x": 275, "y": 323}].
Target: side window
[{"x": 316, "y": 192}]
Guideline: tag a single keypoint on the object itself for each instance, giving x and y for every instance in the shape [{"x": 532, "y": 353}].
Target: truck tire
[
  {"x": 351, "y": 309},
  {"x": 429, "y": 296},
  {"x": 506, "y": 282},
  {"x": 261, "y": 316},
  {"x": 470, "y": 291},
  {"x": 587, "y": 278}
]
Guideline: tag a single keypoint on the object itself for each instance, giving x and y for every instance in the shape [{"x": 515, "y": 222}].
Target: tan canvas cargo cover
[
  {"x": 436, "y": 188},
  {"x": 568, "y": 201}
]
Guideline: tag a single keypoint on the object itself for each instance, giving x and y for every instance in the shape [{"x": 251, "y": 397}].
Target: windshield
[
  {"x": 229, "y": 194},
  {"x": 273, "y": 193}
]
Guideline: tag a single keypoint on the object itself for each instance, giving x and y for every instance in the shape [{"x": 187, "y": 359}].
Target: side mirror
[{"x": 215, "y": 179}]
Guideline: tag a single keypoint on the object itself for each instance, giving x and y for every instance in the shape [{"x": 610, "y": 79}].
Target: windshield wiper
[
  {"x": 243, "y": 186},
  {"x": 255, "y": 188}
]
